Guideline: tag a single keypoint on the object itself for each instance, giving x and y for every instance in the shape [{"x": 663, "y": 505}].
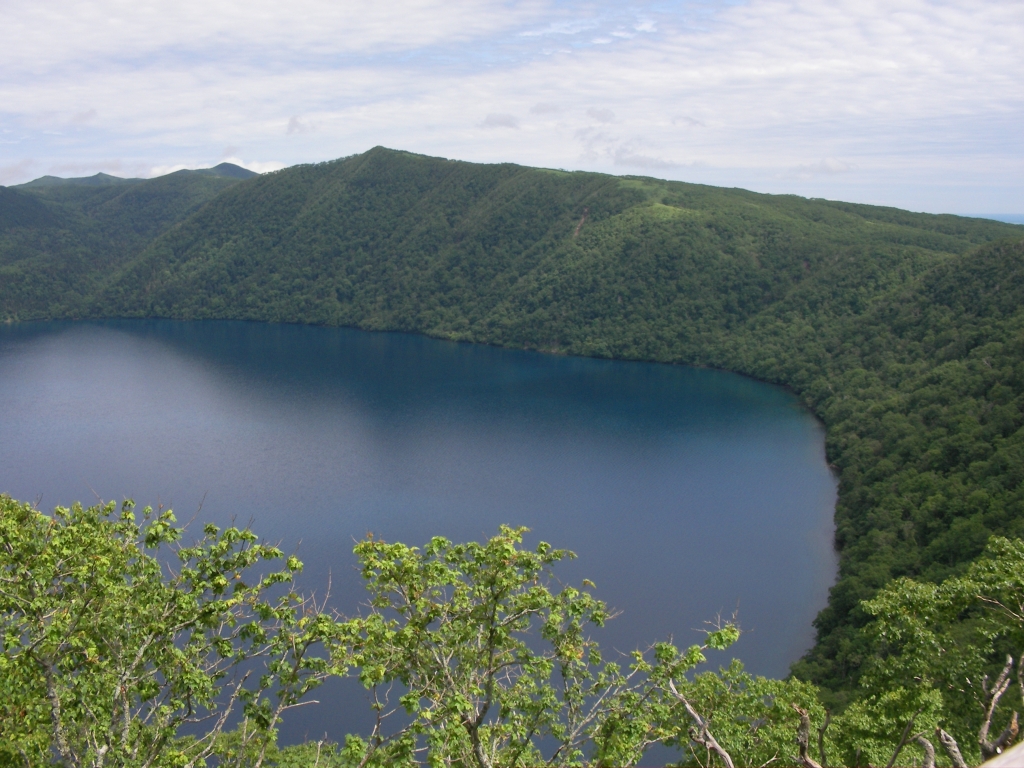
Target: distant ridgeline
[{"x": 904, "y": 332}]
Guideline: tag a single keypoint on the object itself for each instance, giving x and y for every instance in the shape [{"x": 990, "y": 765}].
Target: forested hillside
[
  {"x": 904, "y": 332},
  {"x": 59, "y": 237}
]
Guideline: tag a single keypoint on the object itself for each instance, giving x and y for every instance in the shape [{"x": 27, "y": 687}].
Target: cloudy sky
[{"x": 913, "y": 103}]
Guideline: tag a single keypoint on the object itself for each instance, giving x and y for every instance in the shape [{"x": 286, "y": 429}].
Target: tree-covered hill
[
  {"x": 96, "y": 180},
  {"x": 903, "y": 331},
  {"x": 58, "y": 237}
]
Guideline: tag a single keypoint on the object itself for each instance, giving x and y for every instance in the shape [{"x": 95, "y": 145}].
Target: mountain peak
[
  {"x": 228, "y": 170},
  {"x": 96, "y": 180}
]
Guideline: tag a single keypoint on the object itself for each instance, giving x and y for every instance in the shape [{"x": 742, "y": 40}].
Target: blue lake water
[{"x": 685, "y": 492}]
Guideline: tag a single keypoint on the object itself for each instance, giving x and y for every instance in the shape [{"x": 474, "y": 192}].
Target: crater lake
[{"x": 686, "y": 493}]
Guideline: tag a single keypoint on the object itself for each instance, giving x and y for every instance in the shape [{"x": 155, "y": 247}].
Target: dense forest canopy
[{"x": 903, "y": 332}]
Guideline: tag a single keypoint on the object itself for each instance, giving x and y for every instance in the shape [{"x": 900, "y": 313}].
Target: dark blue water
[{"x": 685, "y": 492}]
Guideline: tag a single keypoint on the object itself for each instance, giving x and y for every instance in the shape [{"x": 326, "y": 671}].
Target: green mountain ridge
[
  {"x": 59, "y": 237},
  {"x": 227, "y": 170},
  {"x": 902, "y": 331},
  {"x": 96, "y": 180}
]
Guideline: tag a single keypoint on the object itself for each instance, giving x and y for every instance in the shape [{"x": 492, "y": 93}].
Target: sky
[{"x": 912, "y": 103}]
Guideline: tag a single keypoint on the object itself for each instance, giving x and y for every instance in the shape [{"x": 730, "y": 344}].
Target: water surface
[{"x": 685, "y": 492}]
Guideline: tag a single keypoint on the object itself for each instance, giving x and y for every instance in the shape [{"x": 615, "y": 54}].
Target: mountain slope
[
  {"x": 96, "y": 180},
  {"x": 902, "y": 331},
  {"x": 58, "y": 237},
  {"x": 388, "y": 239},
  {"x": 22, "y": 211}
]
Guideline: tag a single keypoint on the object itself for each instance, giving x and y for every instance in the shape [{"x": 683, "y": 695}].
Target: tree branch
[
  {"x": 929, "y": 750},
  {"x": 952, "y": 748},
  {"x": 803, "y": 738},
  {"x": 59, "y": 732},
  {"x": 821, "y": 736},
  {"x": 702, "y": 734},
  {"x": 989, "y": 748}
]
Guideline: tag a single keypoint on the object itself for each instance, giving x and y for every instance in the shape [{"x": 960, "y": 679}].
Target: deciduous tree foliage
[
  {"x": 952, "y": 651},
  {"x": 494, "y": 664},
  {"x": 108, "y": 652},
  {"x": 474, "y": 656}
]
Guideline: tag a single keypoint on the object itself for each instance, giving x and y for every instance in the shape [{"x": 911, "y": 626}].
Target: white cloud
[
  {"x": 827, "y": 165},
  {"x": 38, "y": 37},
  {"x": 84, "y": 117},
  {"x": 15, "y": 173},
  {"x": 298, "y": 124},
  {"x": 627, "y": 157},
  {"x": 562, "y": 27},
  {"x": 500, "y": 120},
  {"x": 545, "y": 108},
  {"x": 688, "y": 121},
  {"x": 163, "y": 170},
  {"x": 908, "y": 96},
  {"x": 113, "y": 167}
]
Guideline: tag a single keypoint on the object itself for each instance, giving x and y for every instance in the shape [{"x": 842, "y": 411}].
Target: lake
[{"x": 685, "y": 492}]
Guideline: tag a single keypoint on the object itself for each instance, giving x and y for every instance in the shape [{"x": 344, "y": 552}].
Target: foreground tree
[
  {"x": 474, "y": 655},
  {"x": 107, "y": 653},
  {"x": 486, "y": 662},
  {"x": 946, "y": 667},
  {"x": 754, "y": 719}
]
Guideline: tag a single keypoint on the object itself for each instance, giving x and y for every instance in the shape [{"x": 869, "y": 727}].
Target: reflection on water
[{"x": 685, "y": 492}]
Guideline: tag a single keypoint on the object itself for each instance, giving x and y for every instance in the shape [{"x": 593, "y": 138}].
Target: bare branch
[
  {"x": 992, "y": 696},
  {"x": 1007, "y": 737},
  {"x": 702, "y": 734},
  {"x": 803, "y": 738},
  {"x": 929, "y": 750},
  {"x": 989, "y": 748},
  {"x": 60, "y": 735},
  {"x": 1020, "y": 677},
  {"x": 821, "y": 736},
  {"x": 952, "y": 748}
]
